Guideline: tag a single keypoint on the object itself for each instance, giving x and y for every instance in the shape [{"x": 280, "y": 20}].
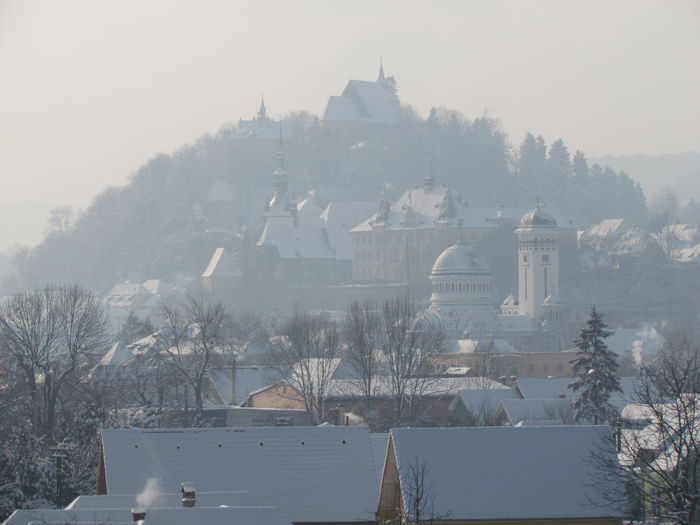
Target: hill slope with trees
[{"x": 148, "y": 228}]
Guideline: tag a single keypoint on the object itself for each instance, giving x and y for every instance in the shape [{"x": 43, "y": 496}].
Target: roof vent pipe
[{"x": 138, "y": 514}]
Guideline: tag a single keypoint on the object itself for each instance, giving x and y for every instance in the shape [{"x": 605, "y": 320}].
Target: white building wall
[{"x": 538, "y": 261}]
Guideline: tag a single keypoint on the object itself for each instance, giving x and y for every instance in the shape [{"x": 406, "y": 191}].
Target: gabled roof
[
  {"x": 362, "y": 101},
  {"x": 306, "y": 473},
  {"x": 607, "y": 227},
  {"x": 483, "y": 398},
  {"x": 430, "y": 387},
  {"x": 341, "y": 109},
  {"x": 558, "y": 387},
  {"x": 425, "y": 204},
  {"x": 248, "y": 380},
  {"x": 297, "y": 237},
  {"x": 222, "y": 264},
  {"x": 545, "y": 388},
  {"x": 533, "y": 410},
  {"x": 505, "y": 473},
  {"x": 309, "y": 208}
]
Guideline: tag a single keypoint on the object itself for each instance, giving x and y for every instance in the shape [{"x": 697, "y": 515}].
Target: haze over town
[
  {"x": 91, "y": 90},
  {"x": 376, "y": 263}
]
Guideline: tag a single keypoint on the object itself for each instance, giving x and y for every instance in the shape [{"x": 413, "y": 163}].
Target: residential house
[
  {"x": 493, "y": 475},
  {"x": 307, "y": 474}
]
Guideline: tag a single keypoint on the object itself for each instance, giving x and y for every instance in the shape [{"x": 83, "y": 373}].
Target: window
[
  {"x": 545, "y": 258},
  {"x": 545, "y": 367},
  {"x": 531, "y": 369},
  {"x": 525, "y": 259},
  {"x": 560, "y": 367}
]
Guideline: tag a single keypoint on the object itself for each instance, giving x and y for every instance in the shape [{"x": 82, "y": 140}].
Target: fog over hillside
[
  {"x": 375, "y": 262},
  {"x": 678, "y": 171}
]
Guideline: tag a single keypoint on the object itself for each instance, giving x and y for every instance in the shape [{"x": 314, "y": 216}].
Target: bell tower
[{"x": 538, "y": 261}]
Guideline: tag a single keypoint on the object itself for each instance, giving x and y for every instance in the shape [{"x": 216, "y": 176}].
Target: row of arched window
[{"x": 462, "y": 287}]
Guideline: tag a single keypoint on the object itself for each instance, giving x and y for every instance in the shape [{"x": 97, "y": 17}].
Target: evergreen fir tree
[
  {"x": 132, "y": 329},
  {"x": 596, "y": 369}
]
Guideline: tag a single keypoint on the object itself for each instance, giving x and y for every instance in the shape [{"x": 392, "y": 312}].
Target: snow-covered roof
[
  {"x": 175, "y": 515},
  {"x": 341, "y": 109},
  {"x": 631, "y": 243},
  {"x": 379, "y": 448},
  {"x": 362, "y": 101},
  {"x": 425, "y": 204},
  {"x": 248, "y": 379},
  {"x": 469, "y": 346},
  {"x": 460, "y": 259},
  {"x": 222, "y": 264},
  {"x": 117, "y": 355},
  {"x": 157, "y": 286},
  {"x": 607, "y": 227},
  {"x": 297, "y": 237},
  {"x": 486, "y": 398},
  {"x": 430, "y": 387},
  {"x": 545, "y": 388},
  {"x": 687, "y": 233},
  {"x": 506, "y": 473},
  {"x": 340, "y": 218},
  {"x": 539, "y": 217},
  {"x": 529, "y": 410},
  {"x": 309, "y": 208},
  {"x": 687, "y": 255},
  {"x": 305, "y": 473},
  {"x": 558, "y": 387}
]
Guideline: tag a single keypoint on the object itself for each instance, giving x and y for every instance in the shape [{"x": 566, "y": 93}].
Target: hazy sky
[{"x": 91, "y": 90}]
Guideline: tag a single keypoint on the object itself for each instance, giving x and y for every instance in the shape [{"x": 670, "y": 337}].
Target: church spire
[
  {"x": 381, "y": 77},
  {"x": 262, "y": 112}
]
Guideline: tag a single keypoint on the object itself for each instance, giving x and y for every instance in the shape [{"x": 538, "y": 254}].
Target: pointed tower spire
[
  {"x": 381, "y": 77},
  {"x": 262, "y": 112}
]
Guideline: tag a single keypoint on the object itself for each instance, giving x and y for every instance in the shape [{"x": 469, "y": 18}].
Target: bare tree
[
  {"x": 409, "y": 343},
  {"x": 192, "y": 335},
  {"x": 52, "y": 336},
  {"x": 307, "y": 353},
  {"x": 417, "y": 504},
  {"x": 362, "y": 337},
  {"x": 659, "y": 464}
]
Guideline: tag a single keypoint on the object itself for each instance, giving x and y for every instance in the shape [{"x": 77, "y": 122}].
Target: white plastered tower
[{"x": 538, "y": 261}]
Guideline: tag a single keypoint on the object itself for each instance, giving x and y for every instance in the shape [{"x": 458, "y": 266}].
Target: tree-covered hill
[{"x": 149, "y": 228}]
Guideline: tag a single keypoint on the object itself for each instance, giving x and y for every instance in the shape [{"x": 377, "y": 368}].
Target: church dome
[
  {"x": 510, "y": 301},
  {"x": 539, "y": 217},
  {"x": 459, "y": 259}
]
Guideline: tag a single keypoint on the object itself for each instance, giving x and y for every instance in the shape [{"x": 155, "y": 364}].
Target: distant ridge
[{"x": 678, "y": 171}]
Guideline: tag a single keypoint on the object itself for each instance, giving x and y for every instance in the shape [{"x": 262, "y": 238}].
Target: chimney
[
  {"x": 138, "y": 514},
  {"x": 188, "y": 494}
]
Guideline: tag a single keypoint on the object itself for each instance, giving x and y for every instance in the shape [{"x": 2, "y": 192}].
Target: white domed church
[
  {"x": 461, "y": 298},
  {"x": 462, "y": 301}
]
